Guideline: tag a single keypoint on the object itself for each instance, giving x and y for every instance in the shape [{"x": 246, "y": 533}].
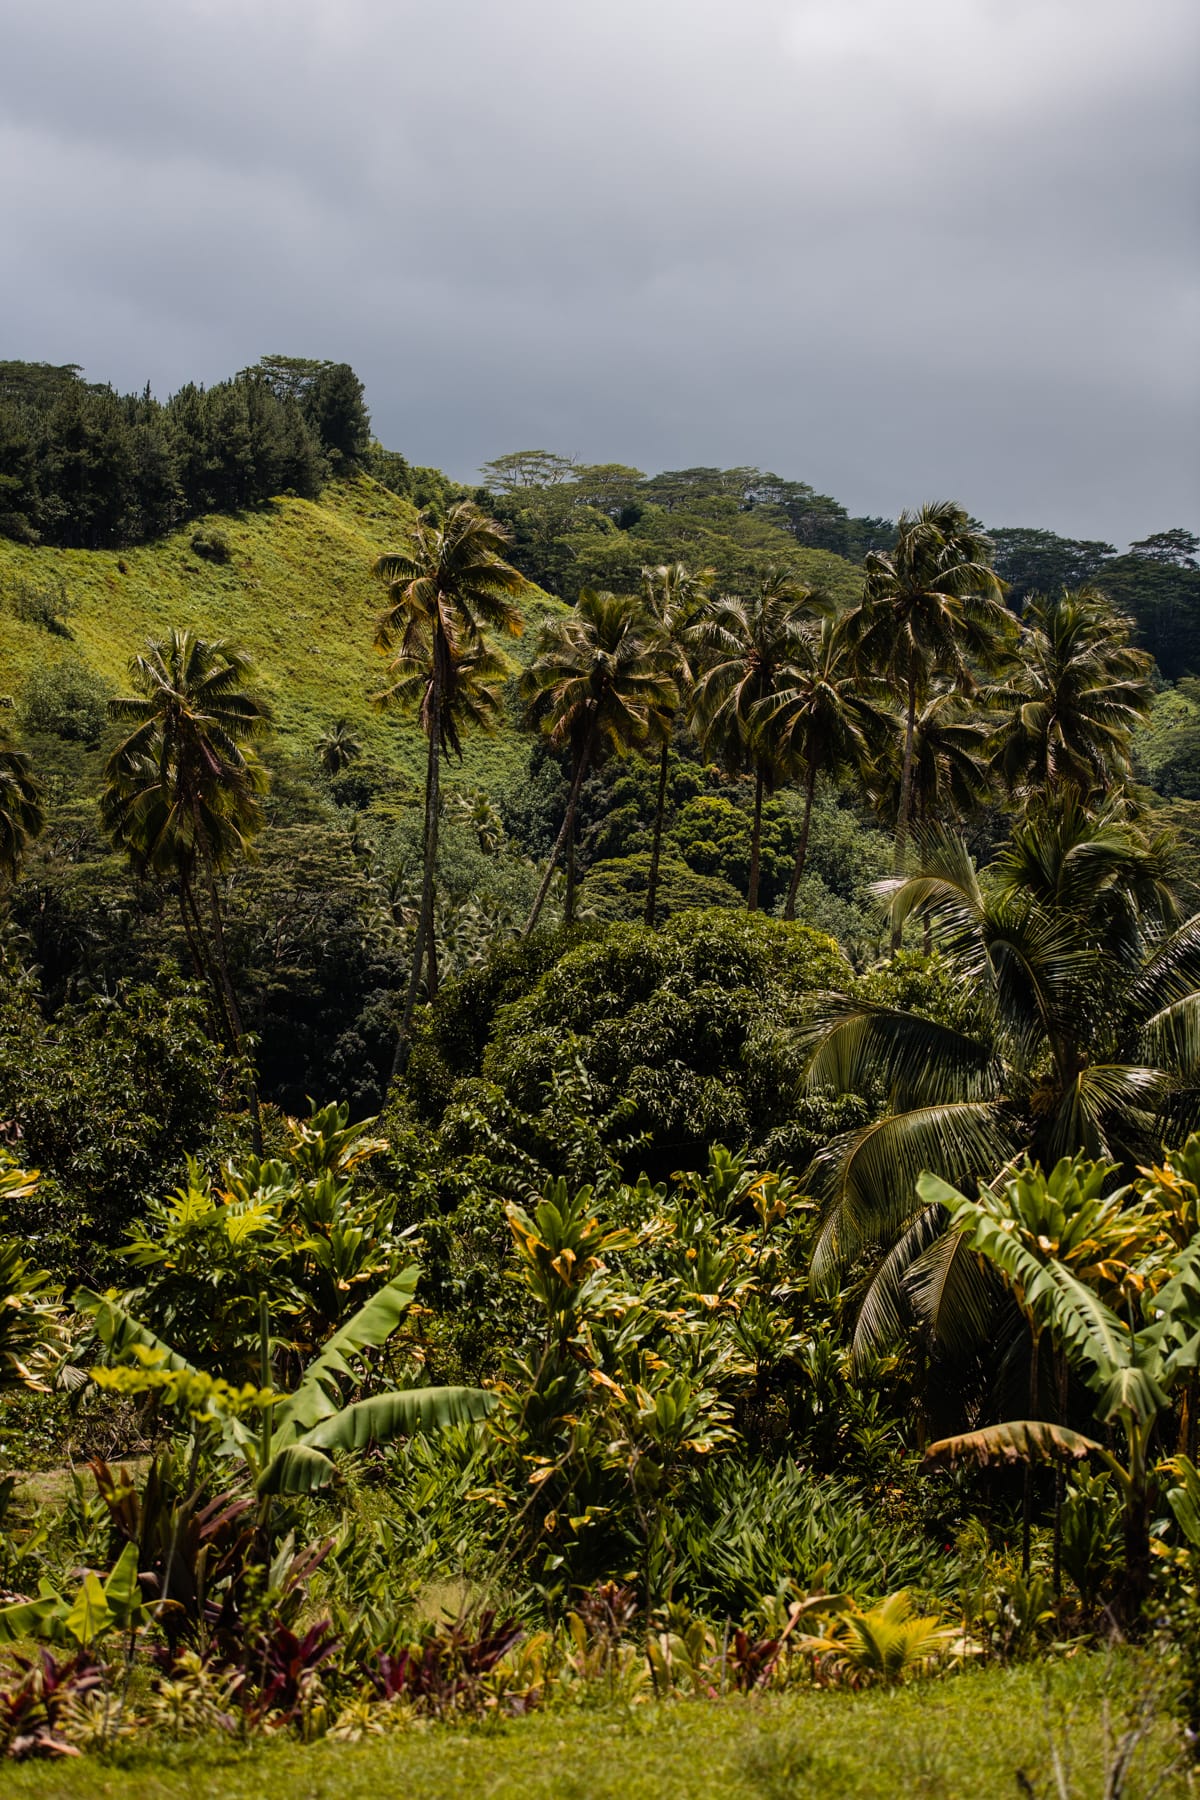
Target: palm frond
[{"x": 868, "y": 1179}]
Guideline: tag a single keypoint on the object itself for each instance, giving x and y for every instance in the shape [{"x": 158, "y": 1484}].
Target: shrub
[
  {"x": 45, "y": 606},
  {"x": 212, "y": 545},
  {"x": 67, "y": 700}
]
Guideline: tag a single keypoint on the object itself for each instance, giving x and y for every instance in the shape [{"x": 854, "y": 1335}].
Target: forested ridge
[{"x": 623, "y": 1046}]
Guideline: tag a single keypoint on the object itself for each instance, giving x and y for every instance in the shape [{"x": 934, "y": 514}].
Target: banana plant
[
  {"x": 298, "y": 1434},
  {"x": 1132, "y": 1367},
  {"x": 100, "y": 1604}
]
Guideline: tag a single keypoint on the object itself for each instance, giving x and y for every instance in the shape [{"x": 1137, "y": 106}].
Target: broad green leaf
[
  {"x": 122, "y": 1591},
  {"x": 300, "y": 1467},
  {"x": 90, "y": 1614},
  {"x": 295, "y": 1470},
  {"x": 1184, "y": 1500},
  {"x": 119, "y": 1331},
  {"x": 30, "y": 1619},
  {"x": 372, "y": 1325},
  {"x": 403, "y": 1413}
]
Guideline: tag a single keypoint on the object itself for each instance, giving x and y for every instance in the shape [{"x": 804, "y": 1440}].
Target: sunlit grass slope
[{"x": 297, "y": 591}]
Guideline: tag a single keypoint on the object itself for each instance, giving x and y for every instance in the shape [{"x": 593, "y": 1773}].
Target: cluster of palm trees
[{"x": 927, "y": 694}]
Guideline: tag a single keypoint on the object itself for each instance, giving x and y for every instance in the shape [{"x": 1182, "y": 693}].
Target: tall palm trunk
[
  {"x": 199, "y": 966},
  {"x": 569, "y": 898},
  {"x": 906, "y": 781},
  {"x": 810, "y": 788},
  {"x": 656, "y": 847},
  {"x": 221, "y": 961},
  {"x": 202, "y": 959},
  {"x": 565, "y": 835},
  {"x": 433, "y": 798},
  {"x": 755, "y": 844},
  {"x": 431, "y": 962},
  {"x": 424, "y": 937}
]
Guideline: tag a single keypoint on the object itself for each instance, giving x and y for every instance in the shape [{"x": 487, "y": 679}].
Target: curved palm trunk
[
  {"x": 656, "y": 847},
  {"x": 202, "y": 960},
  {"x": 755, "y": 844},
  {"x": 566, "y": 834},
  {"x": 433, "y": 819},
  {"x": 198, "y": 964},
  {"x": 423, "y": 946},
  {"x": 569, "y": 899},
  {"x": 810, "y": 788}
]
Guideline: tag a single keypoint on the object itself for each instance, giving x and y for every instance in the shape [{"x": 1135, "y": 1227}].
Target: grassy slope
[
  {"x": 297, "y": 592},
  {"x": 961, "y": 1739}
]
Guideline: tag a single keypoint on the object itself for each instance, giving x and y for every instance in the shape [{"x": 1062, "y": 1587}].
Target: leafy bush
[
  {"x": 47, "y": 606},
  {"x": 212, "y": 544},
  {"x": 616, "y": 889},
  {"x": 107, "y": 1104},
  {"x": 66, "y": 699},
  {"x": 692, "y": 1024}
]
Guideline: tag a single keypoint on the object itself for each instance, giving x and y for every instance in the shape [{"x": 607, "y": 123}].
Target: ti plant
[
  {"x": 33, "y": 1333},
  {"x": 301, "y": 1226}
]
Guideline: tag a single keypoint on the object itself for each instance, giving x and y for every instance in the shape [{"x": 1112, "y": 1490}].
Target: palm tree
[
  {"x": 602, "y": 680},
  {"x": 445, "y": 584},
  {"x": 21, "y": 814},
  {"x": 932, "y": 606},
  {"x": 183, "y": 788},
  {"x": 1078, "y": 1031},
  {"x": 824, "y": 716},
  {"x": 337, "y": 747},
  {"x": 753, "y": 650},
  {"x": 950, "y": 777},
  {"x": 471, "y": 695},
  {"x": 1076, "y": 693},
  {"x": 672, "y": 594}
]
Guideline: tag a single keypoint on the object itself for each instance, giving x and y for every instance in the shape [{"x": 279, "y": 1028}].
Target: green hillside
[{"x": 296, "y": 590}]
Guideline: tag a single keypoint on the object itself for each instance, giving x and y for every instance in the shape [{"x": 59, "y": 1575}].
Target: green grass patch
[
  {"x": 977, "y": 1735},
  {"x": 296, "y": 591}
]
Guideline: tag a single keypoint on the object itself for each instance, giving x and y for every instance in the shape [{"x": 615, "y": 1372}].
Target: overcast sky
[{"x": 946, "y": 248}]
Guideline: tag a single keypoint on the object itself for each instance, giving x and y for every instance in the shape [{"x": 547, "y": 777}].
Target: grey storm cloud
[{"x": 947, "y": 248}]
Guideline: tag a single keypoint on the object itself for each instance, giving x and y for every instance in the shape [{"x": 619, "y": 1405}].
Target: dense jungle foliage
[{"x": 599, "y": 1086}]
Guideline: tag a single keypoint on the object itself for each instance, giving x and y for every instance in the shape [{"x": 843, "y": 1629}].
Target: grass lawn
[{"x": 983, "y": 1734}]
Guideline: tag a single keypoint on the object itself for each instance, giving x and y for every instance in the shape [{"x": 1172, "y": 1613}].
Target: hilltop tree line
[
  {"x": 85, "y": 467},
  {"x": 578, "y": 524}
]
